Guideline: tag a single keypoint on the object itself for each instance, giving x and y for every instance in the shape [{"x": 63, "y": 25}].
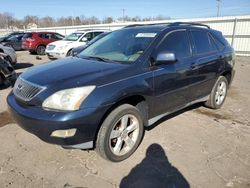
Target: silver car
[{"x": 10, "y": 52}]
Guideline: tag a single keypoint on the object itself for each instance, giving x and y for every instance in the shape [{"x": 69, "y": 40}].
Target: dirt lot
[{"x": 197, "y": 147}]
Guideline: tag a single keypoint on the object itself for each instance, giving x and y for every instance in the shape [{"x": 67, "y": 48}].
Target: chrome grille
[
  {"x": 50, "y": 47},
  {"x": 25, "y": 90}
]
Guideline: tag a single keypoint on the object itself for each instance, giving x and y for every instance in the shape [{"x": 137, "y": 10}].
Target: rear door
[
  {"x": 207, "y": 62},
  {"x": 172, "y": 81},
  {"x": 18, "y": 43}
]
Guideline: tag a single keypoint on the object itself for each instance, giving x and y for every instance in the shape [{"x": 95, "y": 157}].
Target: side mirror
[
  {"x": 84, "y": 39},
  {"x": 165, "y": 57}
]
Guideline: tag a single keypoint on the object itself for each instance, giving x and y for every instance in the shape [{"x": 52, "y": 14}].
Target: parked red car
[{"x": 36, "y": 42}]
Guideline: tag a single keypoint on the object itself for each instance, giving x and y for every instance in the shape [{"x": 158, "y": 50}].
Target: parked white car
[
  {"x": 10, "y": 52},
  {"x": 63, "y": 48}
]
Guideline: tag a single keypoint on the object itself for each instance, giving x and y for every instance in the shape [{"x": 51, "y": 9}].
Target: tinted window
[
  {"x": 96, "y": 34},
  {"x": 48, "y": 36},
  {"x": 203, "y": 42},
  {"x": 89, "y": 36},
  {"x": 178, "y": 43},
  {"x": 13, "y": 38},
  {"x": 41, "y": 35},
  {"x": 218, "y": 43}
]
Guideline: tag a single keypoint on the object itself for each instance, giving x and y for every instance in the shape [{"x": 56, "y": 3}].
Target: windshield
[
  {"x": 125, "y": 45},
  {"x": 73, "y": 37}
]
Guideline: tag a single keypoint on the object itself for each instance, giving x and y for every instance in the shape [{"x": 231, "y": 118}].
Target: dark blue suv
[{"x": 105, "y": 96}]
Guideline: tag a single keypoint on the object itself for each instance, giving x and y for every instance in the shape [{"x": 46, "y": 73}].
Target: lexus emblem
[{"x": 19, "y": 87}]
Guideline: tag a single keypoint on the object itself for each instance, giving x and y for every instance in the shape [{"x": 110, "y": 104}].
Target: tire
[
  {"x": 218, "y": 94},
  {"x": 108, "y": 147},
  {"x": 32, "y": 52},
  {"x": 69, "y": 53},
  {"x": 40, "y": 50}
]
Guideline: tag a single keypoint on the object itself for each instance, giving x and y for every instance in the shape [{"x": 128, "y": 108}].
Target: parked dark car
[
  {"x": 14, "y": 41},
  {"x": 128, "y": 80},
  {"x": 36, "y": 42},
  {"x": 9, "y": 35},
  {"x": 77, "y": 50},
  {"x": 7, "y": 72}
]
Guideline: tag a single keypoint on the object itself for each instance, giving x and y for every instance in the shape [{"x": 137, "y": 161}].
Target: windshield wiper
[{"x": 97, "y": 58}]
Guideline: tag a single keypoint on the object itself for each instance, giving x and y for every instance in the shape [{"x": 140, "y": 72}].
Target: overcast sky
[{"x": 142, "y": 8}]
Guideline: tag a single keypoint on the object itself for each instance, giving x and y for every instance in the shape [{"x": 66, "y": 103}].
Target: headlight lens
[
  {"x": 68, "y": 99},
  {"x": 62, "y": 47}
]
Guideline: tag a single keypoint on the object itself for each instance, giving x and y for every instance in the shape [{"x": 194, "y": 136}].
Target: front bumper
[
  {"x": 55, "y": 55},
  {"x": 42, "y": 123}
]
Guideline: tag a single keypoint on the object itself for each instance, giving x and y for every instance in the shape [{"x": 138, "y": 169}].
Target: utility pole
[
  {"x": 123, "y": 14},
  {"x": 218, "y": 7}
]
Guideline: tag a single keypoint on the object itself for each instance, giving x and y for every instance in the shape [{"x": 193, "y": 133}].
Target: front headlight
[
  {"x": 68, "y": 99},
  {"x": 62, "y": 47}
]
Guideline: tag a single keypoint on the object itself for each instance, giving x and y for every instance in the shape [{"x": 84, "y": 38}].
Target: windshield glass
[
  {"x": 73, "y": 37},
  {"x": 125, "y": 45}
]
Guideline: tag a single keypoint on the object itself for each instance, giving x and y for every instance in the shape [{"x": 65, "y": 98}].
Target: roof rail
[
  {"x": 134, "y": 25},
  {"x": 188, "y": 23}
]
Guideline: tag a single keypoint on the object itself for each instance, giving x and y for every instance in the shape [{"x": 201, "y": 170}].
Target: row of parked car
[
  {"x": 59, "y": 46},
  {"x": 52, "y": 44}
]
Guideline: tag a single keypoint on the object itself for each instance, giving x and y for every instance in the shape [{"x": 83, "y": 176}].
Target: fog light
[{"x": 64, "y": 133}]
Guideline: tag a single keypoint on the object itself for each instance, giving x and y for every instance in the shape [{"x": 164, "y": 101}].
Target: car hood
[{"x": 74, "y": 72}]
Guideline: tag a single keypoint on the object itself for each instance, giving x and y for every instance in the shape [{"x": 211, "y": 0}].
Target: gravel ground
[{"x": 196, "y": 147}]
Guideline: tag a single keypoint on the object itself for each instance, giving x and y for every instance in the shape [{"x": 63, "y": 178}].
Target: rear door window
[
  {"x": 203, "y": 42},
  {"x": 178, "y": 43},
  {"x": 48, "y": 35},
  {"x": 89, "y": 36},
  {"x": 218, "y": 43},
  {"x": 96, "y": 34},
  {"x": 41, "y": 35}
]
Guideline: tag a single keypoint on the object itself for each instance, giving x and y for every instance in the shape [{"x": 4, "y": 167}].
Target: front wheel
[
  {"x": 218, "y": 93},
  {"x": 120, "y": 133}
]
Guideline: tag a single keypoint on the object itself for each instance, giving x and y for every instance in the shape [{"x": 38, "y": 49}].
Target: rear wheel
[
  {"x": 218, "y": 93},
  {"x": 40, "y": 50},
  {"x": 120, "y": 133}
]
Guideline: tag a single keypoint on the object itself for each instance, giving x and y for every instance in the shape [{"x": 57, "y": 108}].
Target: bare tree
[
  {"x": 7, "y": 20},
  {"x": 108, "y": 20}
]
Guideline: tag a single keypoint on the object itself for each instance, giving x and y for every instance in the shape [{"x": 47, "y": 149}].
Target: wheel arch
[
  {"x": 68, "y": 52},
  {"x": 228, "y": 75},
  {"x": 40, "y": 44},
  {"x": 136, "y": 100}
]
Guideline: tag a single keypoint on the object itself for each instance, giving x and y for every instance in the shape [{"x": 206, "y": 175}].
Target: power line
[
  {"x": 218, "y": 7},
  {"x": 123, "y": 14}
]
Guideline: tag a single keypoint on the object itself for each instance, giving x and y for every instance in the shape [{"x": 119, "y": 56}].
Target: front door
[{"x": 172, "y": 81}]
